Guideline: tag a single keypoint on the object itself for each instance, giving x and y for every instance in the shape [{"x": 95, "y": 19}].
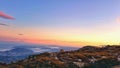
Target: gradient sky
[{"x": 61, "y": 22}]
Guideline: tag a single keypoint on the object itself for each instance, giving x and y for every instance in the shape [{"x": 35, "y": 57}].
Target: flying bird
[{"x": 3, "y": 15}]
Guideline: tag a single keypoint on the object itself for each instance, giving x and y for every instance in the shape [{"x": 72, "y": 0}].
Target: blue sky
[
  {"x": 55, "y": 12},
  {"x": 63, "y": 18}
]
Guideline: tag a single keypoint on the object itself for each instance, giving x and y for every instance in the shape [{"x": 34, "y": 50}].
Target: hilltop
[{"x": 85, "y": 57}]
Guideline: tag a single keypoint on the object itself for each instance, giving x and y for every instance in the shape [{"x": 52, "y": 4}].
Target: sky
[{"x": 60, "y": 22}]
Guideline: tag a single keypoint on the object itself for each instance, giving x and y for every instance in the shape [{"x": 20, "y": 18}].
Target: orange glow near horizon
[
  {"x": 68, "y": 37},
  {"x": 66, "y": 23}
]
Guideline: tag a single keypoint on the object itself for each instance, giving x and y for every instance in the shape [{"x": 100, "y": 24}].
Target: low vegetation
[{"x": 86, "y": 57}]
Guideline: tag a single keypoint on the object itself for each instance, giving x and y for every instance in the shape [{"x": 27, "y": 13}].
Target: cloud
[
  {"x": 3, "y": 15},
  {"x": 2, "y": 24},
  {"x": 118, "y": 20},
  {"x": 20, "y": 34}
]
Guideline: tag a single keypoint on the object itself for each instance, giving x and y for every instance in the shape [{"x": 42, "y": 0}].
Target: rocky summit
[{"x": 85, "y": 57}]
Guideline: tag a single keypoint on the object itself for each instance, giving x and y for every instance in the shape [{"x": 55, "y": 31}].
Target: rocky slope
[{"x": 86, "y": 57}]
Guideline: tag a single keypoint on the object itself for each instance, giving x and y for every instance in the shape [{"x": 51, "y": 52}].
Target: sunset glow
[{"x": 65, "y": 23}]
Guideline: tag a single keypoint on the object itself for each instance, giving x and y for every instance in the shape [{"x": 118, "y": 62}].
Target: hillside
[{"x": 86, "y": 57}]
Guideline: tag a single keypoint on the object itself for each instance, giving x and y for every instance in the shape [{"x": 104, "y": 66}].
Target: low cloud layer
[{"x": 3, "y": 15}]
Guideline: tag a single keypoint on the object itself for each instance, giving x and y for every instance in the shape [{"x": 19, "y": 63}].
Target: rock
[
  {"x": 118, "y": 58},
  {"x": 79, "y": 64},
  {"x": 116, "y": 66}
]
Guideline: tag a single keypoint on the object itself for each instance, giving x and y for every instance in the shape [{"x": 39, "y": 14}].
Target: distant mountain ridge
[
  {"x": 16, "y": 52},
  {"x": 22, "y": 52}
]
